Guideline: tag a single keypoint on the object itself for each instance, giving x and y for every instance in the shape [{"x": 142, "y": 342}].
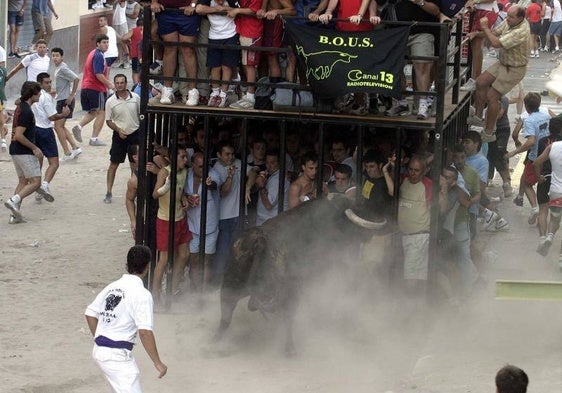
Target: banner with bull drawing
[{"x": 337, "y": 62}]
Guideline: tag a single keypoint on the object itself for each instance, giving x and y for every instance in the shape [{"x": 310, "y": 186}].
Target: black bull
[{"x": 269, "y": 263}]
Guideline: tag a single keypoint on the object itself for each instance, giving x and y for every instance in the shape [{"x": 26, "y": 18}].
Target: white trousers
[{"x": 119, "y": 367}]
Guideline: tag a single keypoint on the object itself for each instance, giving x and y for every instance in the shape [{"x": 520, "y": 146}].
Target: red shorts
[
  {"x": 555, "y": 202},
  {"x": 529, "y": 176},
  {"x": 491, "y": 15},
  {"x": 273, "y": 32},
  {"x": 182, "y": 235}
]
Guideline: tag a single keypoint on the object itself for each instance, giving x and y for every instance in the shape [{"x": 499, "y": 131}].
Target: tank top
[
  {"x": 555, "y": 157},
  {"x": 164, "y": 200},
  {"x": 112, "y": 51}
]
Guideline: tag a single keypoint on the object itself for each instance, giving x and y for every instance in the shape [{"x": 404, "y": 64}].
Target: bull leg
[
  {"x": 229, "y": 300},
  {"x": 195, "y": 273}
]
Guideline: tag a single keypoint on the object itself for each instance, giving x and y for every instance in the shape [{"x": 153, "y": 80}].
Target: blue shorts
[
  {"x": 92, "y": 100},
  {"x": 210, "y": 243},
  {"x": 46, "y": 142},
  {"x": 61, "y": 104},
  {"x": 136, "y": 65},
  {"x": 110, "y": 60},
  {"x": 15, "y": 19},
  {"x": 217, "y": 57},
  {"x": 174, "y": 21},
  {"x": 555, "y": 28}
]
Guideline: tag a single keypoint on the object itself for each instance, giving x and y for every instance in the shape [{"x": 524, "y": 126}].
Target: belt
[{"x": 103, "y": 341}]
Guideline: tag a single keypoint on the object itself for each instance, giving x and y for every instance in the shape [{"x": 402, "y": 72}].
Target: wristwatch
[
  {"x": 193, "y": 5},
  {"x": 421, "y": 3}
]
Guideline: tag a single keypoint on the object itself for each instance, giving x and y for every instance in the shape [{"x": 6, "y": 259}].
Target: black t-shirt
[
  {"x": 23, "y": 117},
  {"x": 407, "y": 11},
  {"x": 376, "y": 199}
]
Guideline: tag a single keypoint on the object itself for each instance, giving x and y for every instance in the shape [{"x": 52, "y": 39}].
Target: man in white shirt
[
  {"x": 45, "y": 112},
  {"x": 34, "y": 63},
  {"x": 120, "y": 311},
  {"x": 268, "y": 185}
]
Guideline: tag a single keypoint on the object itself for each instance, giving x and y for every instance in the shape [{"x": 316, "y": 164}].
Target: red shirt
[
  {"x": 347, "y": 9},
  {"x": 136, "y": 42},
  {"x": 95, "y": 64},
  {"x": 533, "y": 13},
  {"x": 247, "y": 25}
]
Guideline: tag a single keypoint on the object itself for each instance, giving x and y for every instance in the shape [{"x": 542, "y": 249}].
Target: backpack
[
  {"x": 263, "y": 95},
  {"x": 292, "y": 100}
]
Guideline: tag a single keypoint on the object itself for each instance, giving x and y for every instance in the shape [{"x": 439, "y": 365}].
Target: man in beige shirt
[{"x": 512, "y": 38}]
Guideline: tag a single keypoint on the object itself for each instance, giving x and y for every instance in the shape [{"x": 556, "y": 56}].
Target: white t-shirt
[
  {"x": 555, "y": 158},
  {"x": 222, "y": 26},
  {"x": 122, "y": 308},
  {"x": 112, "y": 51},
  {"x": 43, "y": 109},
  {"x": 213, "y": 204},
  {"x": 34, "y": 65},
  {"x": 272, "y": 187},
  {"x": 557, "y": 12},
  {"x": 230, "y": 204},
  {"x": 2, "y": 54},
  {"x": 493, "y": 6},
  {"x": 119, "y": 15}
]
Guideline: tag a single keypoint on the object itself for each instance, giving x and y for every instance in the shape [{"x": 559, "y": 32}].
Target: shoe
[
  {"x": 38, "y": 197},
  {"x": 423, "y": 111},
  {"x": 470, "y": 85},
  {"x": 15, "y": 220},
  {"x": 544, "y": 245},
  {"x": 398, "y": 110},
  {"x": 14, "y": 207},
  {"x": 45, "y": 193},
  {"x": 501, "y": 225},
  {"x": 107, "y": 198},
  {"x": 192, "y": 97},
  {"x": 3, "y": 145},
  {"x": 65, "y": 157},
  {"x": 244, "y": 103},
  {"x": 490, "y": 218},
  {"x": 214, "y": 99},
  {"x": 475, "y": 121},
  {"x": 532, "y": 54},
  {"x": 518, "y": 200},
  {"x": 533, "y": 217},
  {"x": 155, "y": 68},
  {"x": 167, "y": 96},
  {"x": 203, "y": 100},
  {"x": 77, "y": 132},
  {"x": 96, "y": 142},
  {"x": 556, "y": 50},
  {"x": 537, "y": 55},
  {"x": 507, "y": 190},
  {"x": 487, "y": 138},
  {"x": 360, "y": 105},
  {"x": 75, "y": 153},
  {"x": 546, "y": 49},
  {"x": 11, "y": 55}
]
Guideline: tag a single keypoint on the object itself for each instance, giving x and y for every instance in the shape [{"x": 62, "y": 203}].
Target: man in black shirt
[{"x": 25, "y": 154}]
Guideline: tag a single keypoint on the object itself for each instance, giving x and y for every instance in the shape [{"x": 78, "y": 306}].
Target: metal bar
[
  {"x": 528, "y": 290},
  {"x": 204, "y": 198},
  {"x": 282, "y": 167},
  {"x": 242, "y": 213},
  {"x": 320, "y": 174},
  {"x": 172, "y": 208}
]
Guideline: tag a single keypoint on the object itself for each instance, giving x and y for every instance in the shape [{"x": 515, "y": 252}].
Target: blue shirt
[
  {"x": 42, "y": 6},
  {"x": 213, "y": 204},
  {"x": 536, "y": 125},
  {"x": 480, "y": 164}
]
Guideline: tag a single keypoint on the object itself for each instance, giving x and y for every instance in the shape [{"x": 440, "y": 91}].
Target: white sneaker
[
  {"x": 14, "y": 207},
  {"x": 75, "y": 153},
  {"x": 244, "y": 103},
  {"x": 501, "y": 225},
  {"x": 470, "y": 85},
  {"x": 4, "y": 146},
  {"x": 45, "y": 193},
  {"x": 423, "y": 111},
  {"x": 167, "y": 96},
  {"x": 490, "y": 218},
  {"x": 77, "y": 132},
  {"x": 192, "y": 97}
]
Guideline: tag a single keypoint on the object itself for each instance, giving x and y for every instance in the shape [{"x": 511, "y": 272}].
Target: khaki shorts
[
  {"x": 416, "y": 256},
  {"x": 27, "y": 165},
  {"x": 421, "y": 44},
  {"x": 506, "y": 77}
]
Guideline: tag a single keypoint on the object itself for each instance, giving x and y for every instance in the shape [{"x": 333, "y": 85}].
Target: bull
[{"x": 270, "y": 263}]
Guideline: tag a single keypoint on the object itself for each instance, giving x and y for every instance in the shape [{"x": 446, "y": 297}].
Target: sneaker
[
  {"x": 155, "y": 68},
  {"x": 75, "y": 153},
  {"x": 537, "y": 55},
  {"x": 192, "y": 97},
  {"x": 533, "y": 217},
  {"x": 15, "y": 220},
  {"x": 243, "y": 103},
  {"x": 65, "y": 157},
  {"x": 423, "y": 111},
  {"x": 77, "y": 132},
  {"x": 167, "y": 97},
  {"x": 556, "y": 50},
  {"x": 214, "y": 100},
  {"x": 107, "y": 198},
  {"x": 546, "y": 49},
  {"x": 398, "y": 110},
  {"x": 3, "y": 145},
  {"x": 45, "y": 193},
  {"x": 487, "y": 138},
  {"x": 14, "y": 207},
  {"x": 507, "y": 190},
  {"x": 518, "y": 200},
  {"x": 544, "y": 245},
  {"x": 470, "y": 85},
  {"x": 203, "y": 100},
  {"x": 490, "y": 218},
  {"x": 501, "y": 225},
  {"x": 532, "y": 54},
  {"x": 96, "y": 142},
  {"x": 38, "y": 197}
]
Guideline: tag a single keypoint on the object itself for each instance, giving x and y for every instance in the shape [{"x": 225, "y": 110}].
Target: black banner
[{"x": 337, "y": 62}]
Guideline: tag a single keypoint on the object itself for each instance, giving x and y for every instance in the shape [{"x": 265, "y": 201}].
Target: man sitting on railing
[
  {"x": 512, "y": 38},
  {"x": 177, "y": 26}
]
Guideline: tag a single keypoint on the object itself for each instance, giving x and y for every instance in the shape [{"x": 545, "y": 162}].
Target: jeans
[
  {"x": 228, "y": 230},
  {"x": 463, "y": 258}
]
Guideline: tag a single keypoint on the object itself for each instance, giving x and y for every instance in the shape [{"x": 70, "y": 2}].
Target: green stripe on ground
[{"x": 528, "y": 290}]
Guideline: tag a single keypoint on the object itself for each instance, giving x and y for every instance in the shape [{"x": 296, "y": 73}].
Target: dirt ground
[{"x": 52, "y": 266}]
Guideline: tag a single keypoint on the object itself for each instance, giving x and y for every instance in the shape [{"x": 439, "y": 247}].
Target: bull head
[{"x": 354, "y": 218}]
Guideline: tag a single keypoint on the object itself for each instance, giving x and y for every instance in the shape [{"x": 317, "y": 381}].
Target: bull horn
[{"x": 354, "y": 218}]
